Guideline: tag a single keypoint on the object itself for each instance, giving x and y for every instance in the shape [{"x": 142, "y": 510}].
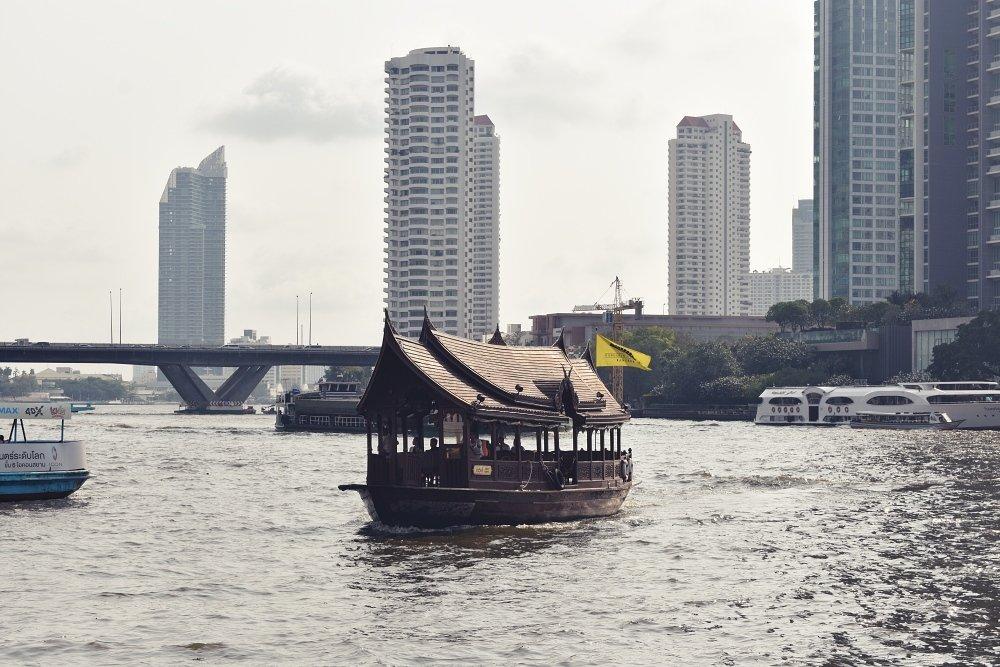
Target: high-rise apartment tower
[
  {"x": 432, "y": 253},
  {"x": 483, "y": 311},
  {"x": 709, "y": 226},
  {"x": 192, "y": 273},
  {"x": 856, "y": 151}
]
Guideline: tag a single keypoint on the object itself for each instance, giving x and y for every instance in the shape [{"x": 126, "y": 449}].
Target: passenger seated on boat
[
  {"x": 434, "y": 443},
  {"x": 418, "y": 446}
]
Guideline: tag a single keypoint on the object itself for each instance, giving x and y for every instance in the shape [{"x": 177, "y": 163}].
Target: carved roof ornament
[{"x": 497, "y": 338}]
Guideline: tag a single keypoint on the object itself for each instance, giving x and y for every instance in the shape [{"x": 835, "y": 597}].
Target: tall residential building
[
  {"x": 856, "y": 151},
  {"x": 709, "y": 226},
  {"x": 779, "y": 284},
  {"x": 192, "y": 276},
  {"x": 431, "y": 252},
  {"x": 802, "y": 237},
  {"x": 484, "y": 246},
  {"x": 950, "y": 148}
]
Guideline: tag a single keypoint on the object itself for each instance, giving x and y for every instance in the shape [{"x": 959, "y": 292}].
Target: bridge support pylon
[{"x": 194, "y": 392}]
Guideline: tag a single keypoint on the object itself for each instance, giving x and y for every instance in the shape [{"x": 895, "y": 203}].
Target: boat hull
[
  {"x": 15, "y": 486},
  {"x": 436, "y": 507}
]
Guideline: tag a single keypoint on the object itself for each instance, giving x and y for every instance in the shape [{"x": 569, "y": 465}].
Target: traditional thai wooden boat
[{"x": 467, "y": 433}]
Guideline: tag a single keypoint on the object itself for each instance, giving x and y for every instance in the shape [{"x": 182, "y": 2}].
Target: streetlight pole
[
  {"x": 120, "y": 341},
  {"x": 111, "y": 317},
  {"x": 297, "y": 334},
  {"x": 310, "y": 318}
]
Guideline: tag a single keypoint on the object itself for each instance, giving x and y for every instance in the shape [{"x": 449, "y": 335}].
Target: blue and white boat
[{"x": 39, "y": 469}]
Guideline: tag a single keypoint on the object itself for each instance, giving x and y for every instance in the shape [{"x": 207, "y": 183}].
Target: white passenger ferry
[{"x": 973, "y": 405}]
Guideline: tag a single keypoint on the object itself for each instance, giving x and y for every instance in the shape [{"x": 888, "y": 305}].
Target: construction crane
[{"x": 613, "y": 316}]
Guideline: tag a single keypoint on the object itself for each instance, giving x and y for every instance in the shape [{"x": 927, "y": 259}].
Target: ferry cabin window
[
  {"x": 889, "y": 400},
  {"x": 814, "y": 398},
  {"x": 839, "y": 400},
  {"x": 964, "y": 398},
  {"x": 784, "y": 400}
]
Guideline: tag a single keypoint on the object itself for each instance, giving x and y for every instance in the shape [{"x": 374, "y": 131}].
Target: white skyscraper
[
  {"x": 779, "y": 284},
  {"x": 428, "y": 180},
  {"x": 483, "y": 312},
  {"x": 709, "y": 227}
]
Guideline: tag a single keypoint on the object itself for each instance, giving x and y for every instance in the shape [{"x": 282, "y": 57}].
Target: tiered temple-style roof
[{"x": 488, "y": 381}]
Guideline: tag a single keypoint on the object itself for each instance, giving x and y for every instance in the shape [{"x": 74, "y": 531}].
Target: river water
[{"x": 215, "y": 538}]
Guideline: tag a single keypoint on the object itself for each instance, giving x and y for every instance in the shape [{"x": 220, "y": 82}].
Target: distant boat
[
  {"x": 216, "y": 408},
  {"x": 938, "y": 421},
  {"x": 332, "y": 409},
  {"x": 81, "y": 407},
  {"x": 39, "y": 469},
  {"x": 969, "y": 404}
]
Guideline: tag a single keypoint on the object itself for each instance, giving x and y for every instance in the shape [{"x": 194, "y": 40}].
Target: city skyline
[{"x": 303, "y": 143}]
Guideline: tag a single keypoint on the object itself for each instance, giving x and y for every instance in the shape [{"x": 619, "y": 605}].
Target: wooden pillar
[
  {"x": 604, "y": 472},
  {"x": 590, "y": 453},
  {"x": 538, "y": 444},
  {"x": 405, "y": 429},
  {"x": 555, "y": 442},
  {"x": 394, "y": 457},
  {"x": 440, "y": 428},
  {"x": 576, "y": 452},
  {"x": 517, "y": 446},
  {"x": 368, "y": 429},
  {"x": 545, "y": 435}
]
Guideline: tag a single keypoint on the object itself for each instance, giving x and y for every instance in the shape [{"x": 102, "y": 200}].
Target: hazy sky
[{"x": 102, "y": 99}]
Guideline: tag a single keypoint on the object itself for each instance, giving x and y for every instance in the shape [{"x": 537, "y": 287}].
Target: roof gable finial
[
  {"x": 427, "y": 328},
  {"x": 497, "y": 338},
  {"x": 389, "y": 328},
  {"x": 561, "y": 342}
]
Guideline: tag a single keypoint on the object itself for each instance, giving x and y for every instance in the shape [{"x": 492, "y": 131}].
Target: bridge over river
[{"x": 176, "y": 362}]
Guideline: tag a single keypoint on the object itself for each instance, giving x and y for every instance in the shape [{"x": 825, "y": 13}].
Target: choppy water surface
[{"x": 216, "y": 538}]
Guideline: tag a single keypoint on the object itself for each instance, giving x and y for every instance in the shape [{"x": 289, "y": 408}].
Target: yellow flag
[{"x": 610, "y": 353}]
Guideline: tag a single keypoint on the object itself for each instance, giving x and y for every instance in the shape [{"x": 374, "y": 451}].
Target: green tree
[
  {"x": 694, "y": 366},
  {"x": 821, "y": 313},
  {"x": 17, "y": 384},
  {"x": 661, "y": 345},
  {"x": 789, "y": 314},
  {"x": 732, "y": 389},
  {"x": 767, "y": 354},
  {"x": 975, "y": 352},
  {"x": 94, "y": 389}
]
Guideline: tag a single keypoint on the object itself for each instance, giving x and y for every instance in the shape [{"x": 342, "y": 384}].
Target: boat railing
[{"x": 445, "y": 467}]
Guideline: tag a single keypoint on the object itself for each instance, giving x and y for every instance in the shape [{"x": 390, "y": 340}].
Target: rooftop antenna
[
  {"x": 310, "y": 318},
  {"x": 120, "y": 316},
  {"x": 111, "y": 316},
  {"x": 298, "y": 329}
]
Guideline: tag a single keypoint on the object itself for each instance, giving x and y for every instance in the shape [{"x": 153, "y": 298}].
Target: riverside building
[
  {"x": 776, "y": 285},
  {"x": 856, "y": 151},
  {"x": 709, "y": 224},
  {"x": 192, "y": 254},
  {"x": 433, "y": 257}
]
